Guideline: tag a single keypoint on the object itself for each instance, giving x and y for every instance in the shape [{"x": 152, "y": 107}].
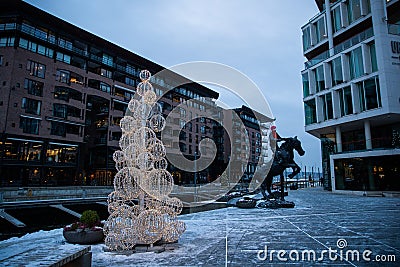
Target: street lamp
[{"x": 195, "y": 175}]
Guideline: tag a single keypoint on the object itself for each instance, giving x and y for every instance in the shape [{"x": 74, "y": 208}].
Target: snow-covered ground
[
  {"x": 201, "y": 226},
  {"x": 234, "y": 237}
]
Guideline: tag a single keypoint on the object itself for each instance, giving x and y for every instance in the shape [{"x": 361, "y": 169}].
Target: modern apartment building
[
  {"x": 351, "y": 86},
  {"x": 63, "y": 94}
]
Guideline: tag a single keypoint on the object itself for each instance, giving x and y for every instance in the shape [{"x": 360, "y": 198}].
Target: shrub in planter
[{"x": 87, "y": 231}]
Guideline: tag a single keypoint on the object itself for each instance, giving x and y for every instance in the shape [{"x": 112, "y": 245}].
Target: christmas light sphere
[
  {"x": 118, "y": 156},
  {"x": 158, "y": 184},
  {"x": 157, "y": 123},
  {"x": 143, "y": 87},
  {"x": 128, "y": 124},
  {"x": 149, "y": 97},
  {"x": 173, "y": 231},
  {"x": 175, "y": 205},
  {"x": 120, "y": 165},
  {"x": 133, "y": 105},
  {"x": 145, "y": 75},
  {"x": 149, "y": 226}
]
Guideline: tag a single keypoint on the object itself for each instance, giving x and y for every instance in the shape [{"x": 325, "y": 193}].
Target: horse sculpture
[{"x": 284, "y": 158}]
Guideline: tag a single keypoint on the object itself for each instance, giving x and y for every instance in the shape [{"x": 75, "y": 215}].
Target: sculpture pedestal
[{"x": 275, "y": 204}]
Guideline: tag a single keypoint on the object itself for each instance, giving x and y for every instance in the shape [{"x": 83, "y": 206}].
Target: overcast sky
[{"x": 261, "y": 38}]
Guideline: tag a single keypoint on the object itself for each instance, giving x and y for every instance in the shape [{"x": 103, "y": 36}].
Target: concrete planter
[{"x": 83, "y": 237}]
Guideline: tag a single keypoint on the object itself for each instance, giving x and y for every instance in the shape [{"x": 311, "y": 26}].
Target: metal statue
[{"x": 283, "y": 159}]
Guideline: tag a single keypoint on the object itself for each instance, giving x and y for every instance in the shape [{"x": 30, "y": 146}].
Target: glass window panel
[
  {"x": 371, "y": 95},
  {"x": 354, "y": 10},
  {"x": 306, "y": 85},
  {"x": 336, "y": 19},
  {"x": 356, "y": 63},
  {"x": 319, "y": 78},
  {"x": 310, "y": 112},
  {"x": 336, "y": 69},
  {"x": 306, "y": 38},
  {"x": 373, "y": 57}
]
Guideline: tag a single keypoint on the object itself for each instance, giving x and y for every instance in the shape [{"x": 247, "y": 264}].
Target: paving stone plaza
[
  {"x": 320, "y": 220},
  {"x": 324, "y": 229}
]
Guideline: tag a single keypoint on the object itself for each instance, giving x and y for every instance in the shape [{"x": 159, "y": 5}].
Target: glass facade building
[{"x": 351, "y": 92}]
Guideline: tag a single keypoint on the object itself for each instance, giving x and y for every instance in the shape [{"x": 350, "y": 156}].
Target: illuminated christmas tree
[{"x": 141, "y": 212}]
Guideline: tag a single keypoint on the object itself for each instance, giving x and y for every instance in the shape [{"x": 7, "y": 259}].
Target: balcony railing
[{"x": 353, "y": 40}]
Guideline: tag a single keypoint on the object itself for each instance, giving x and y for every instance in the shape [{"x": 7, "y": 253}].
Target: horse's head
[{"x": 296, "y": 144}]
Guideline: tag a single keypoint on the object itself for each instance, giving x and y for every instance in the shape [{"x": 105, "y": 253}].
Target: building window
[
  {"x": 58, "y": 129},
  {"x": 64, "y": 43},
  {"x": 306, "y": 38},
  {"x": 320, "y": 31},
  {"x": 31, "y": 106},
  {"x": 130, "y": 69},
  {"x": 34, "y": 87},
  {"x": 354, "y": 10},
  {"x": 36, "y": 69},
  {"x": 319, "y": 78},
  {"x": 99, "y": 85},
  {"x": 356, "y": 63},
  {"x": 105, "y": 87},
  {"x": 108, "y": 60},
  {"x": 64, "y": 111},
  {"x": 370, "y": 96},
  {"x": 120, "y": 106},
  {"x": 327, "y": 106},
  {"x": 345, "y": 100},
  {"x": 39, "y": 49},
  {"x": 29, "y": 125},
  {"x": 106, "y": 73},
  {"x": 306, "y": 84},
  {"x": 63, "y": 57},
  {"x": 59, "y": 110},
  {"x": 129, "y": 81},
  {"x": 61, "y": 154},
  {"x": 336, "y": 69},
  {"x": 374, "y": 63},
  {"x": 22, "y": 150},
  {"x": 336, "y": 19},
  {"x": 7, "y": 41},
  {"x": 310, "y": 111},
  {"x": 353, "y": 140},
  {"x": 63, "y": 76},
  {"x": 61, "y": 129},
  {"x": 1, "y": 60},
  {"x": 65, "y": 93}
]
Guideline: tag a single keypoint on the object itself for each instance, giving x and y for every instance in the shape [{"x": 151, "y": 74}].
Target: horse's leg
[
  {"x": 269, "y": 183},
  {"x": 295, "y": 170},
  {"x": 282, "y": 186},
  {"x": 263, "y": 187}
]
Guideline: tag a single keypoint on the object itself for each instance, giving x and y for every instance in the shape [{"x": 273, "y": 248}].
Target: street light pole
[{"x": 195, "y": 176}]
